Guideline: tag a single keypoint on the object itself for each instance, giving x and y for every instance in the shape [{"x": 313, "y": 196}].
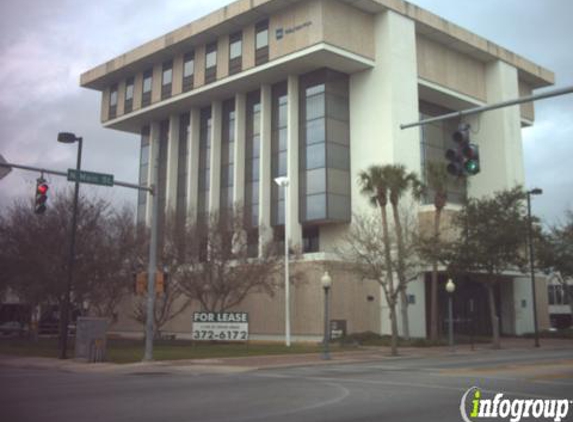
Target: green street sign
[{"x": 91, "y": 177}]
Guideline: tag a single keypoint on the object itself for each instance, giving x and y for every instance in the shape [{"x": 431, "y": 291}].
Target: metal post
[
  {"x": 64, "y": 315},
  {"x": 451, "y": 322},
  {"x": 151, "y": 270},
  {"x": 326, "y": 354},
  {"x": 287, "y": 284},
  {"x": 532, "y": 268}
]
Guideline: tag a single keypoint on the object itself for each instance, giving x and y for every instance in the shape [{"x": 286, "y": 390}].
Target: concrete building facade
[{"x": 316, "y": 90}]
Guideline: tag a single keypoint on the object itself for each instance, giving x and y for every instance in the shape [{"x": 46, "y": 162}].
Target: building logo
[
  {"x": 474, "y": 407},
  {"x": 281, "y": 32}
]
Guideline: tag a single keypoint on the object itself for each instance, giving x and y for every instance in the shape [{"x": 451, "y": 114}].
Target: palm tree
[
  {"x": 374, "y": 184},
  {"x": 437, "y": 180},
  {"x": 399, "y": 182}
]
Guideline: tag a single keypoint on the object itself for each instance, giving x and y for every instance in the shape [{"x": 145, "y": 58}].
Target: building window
[
  {"x": 324, "y": 167},
  {"x": 227, "y": 161},
  {"x": 166, "y": 80},
  {"x": 143, "y": 174},
  {"x": 262, "y": 42},
  {"x": 188, "y": 71},
  {"x": 146, "y": 91},
  {"x": 204, "y": 166},
  {"x": 211, "y": 63},
  {"x": 279, "y": 110},
  {"x": 128, "y": 101},
  {"x": 182, "y": 169},
  {"x": 162, "y": 179},
  {"x": 113, "y": 101},
  {"x": 435, "y": 140},
  {"x": 235, "y": 53},
  {"x": 310, "y": 239},
  {"x": 252, "y": 159},
  {"x": 557, "y": 295}
]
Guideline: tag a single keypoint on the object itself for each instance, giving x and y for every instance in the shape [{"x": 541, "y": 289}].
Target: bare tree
[
  {"x": 372, "y": 253},
  {"x": 210, "y": 262}
]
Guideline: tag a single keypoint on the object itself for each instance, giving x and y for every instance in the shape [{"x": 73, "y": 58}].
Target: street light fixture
[
  {"x": 283, "y": 182},
  {"x": 326, "y": 282},
  {"x": 70, "y": 138},
  {"x": 535, "y": 191},
  {"x": 450, "y": 288}
]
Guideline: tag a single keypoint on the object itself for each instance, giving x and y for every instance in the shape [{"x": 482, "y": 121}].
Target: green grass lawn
[{"x": 127, "y": 351}]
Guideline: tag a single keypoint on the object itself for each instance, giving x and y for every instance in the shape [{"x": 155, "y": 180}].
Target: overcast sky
[{"x": 45, "y": 45}]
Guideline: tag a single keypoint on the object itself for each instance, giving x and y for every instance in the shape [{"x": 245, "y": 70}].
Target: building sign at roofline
[{"x": 281, "y": 32}]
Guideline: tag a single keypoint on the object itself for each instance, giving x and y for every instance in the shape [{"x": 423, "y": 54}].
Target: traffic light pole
[{"x": 477, "y": 110}]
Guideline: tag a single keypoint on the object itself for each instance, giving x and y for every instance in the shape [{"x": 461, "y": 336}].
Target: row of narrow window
[{"x": 235, "y": 66}]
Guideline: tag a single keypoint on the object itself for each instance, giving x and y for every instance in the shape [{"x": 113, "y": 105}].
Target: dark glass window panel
[
  {"x": 338, "y": 131},
  {"x": 189, "y": 65},
  {"x": 262, "y": 37},
  {"x": 261, "y": 55},
  {"x": 211, "y": 56},
  {"x": 315, "y": 156},
  {"x": 254, "y": 146},
  {"x": 252, "y": 172},
  {"x": 187, "y": 83},
  {"x": 315, "y": 107},
  {"x": 338, "y": 156},
  {"x": 339, "y": 207},
  {"x": 143, "y": 169},
  {"x": 113, "y": 96},
  {"x": 144, "y": 157},
  {"x": 226, "y": 197},
  {"x": 167, "y": 76},
  {"x": 338, "y": 181},
  {"x": 282, "y": 139},
  {"x": 315, "y": 131},
  {"x": 227, "y": 175},
  {"x": 280, "y": 218},
  {"x": 315, "y": 207},
  {"x": 236, "y": 49},
  {"x": 129, "y": 89},
  {"x": 282, "y": 164},
  {"x": 310, "y": 238},
  {"x": 315, "y": 181},
  {"x": 337, "y": 107},
  {"x": 316, "y": 89},
  {"x": 147, "y": 77},
  {"x": 282, "y": 115}
]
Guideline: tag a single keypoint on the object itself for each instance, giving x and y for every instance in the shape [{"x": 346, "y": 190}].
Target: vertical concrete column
[
  {"x": 152, "y": 168},
  {"x": 295, "y": 229},
  {"x": 177, "y": 81},
  {"x": 498, "y": 134},
  {"x": 265, "y": 232},
  {"x": 382, "y": 99},
  {"x": 105, "y": 97},
  {"x": 239, "y": 153},
  {"x": 172, "y": 164},
  {"x": 215, "y": 159},
  {"x": 193, "y": 164}
]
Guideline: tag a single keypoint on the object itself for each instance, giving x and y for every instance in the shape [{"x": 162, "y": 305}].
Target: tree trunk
[
  {"x": 434, "y": 284},
  {"x": 394, "y": 330},
  {"x": 494, "y": 318},
  {"x": 401, "y": 272}
]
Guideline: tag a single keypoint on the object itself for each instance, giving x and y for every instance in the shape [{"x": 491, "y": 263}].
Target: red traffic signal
[{"x": 41, "y": 196}]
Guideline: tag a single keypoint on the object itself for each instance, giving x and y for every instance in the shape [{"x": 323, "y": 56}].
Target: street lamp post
[
  {"x": 326, "y": 282},
  {"x": 450, "y": 288},
  {"x": 283, "y": 182},
  {"x": 70, "y": 138},
  {"x": 535, "y": 191}
]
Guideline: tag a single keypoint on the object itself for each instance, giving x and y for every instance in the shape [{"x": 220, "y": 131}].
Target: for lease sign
[{"x": 222, "y": 326}]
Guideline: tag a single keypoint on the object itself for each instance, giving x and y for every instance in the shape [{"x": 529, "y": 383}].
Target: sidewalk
[{"x": 245, "y": 364}]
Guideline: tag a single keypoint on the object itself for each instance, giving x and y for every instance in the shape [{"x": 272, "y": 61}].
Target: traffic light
[
  {"x": 464, "y": 160},
  {"x": 41, "y": 196}
]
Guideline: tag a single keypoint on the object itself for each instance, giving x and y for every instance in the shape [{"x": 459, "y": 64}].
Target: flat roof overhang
[{"x": 311, "y": 58}]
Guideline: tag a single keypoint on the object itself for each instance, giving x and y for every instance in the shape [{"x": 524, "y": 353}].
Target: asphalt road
[{"x": 393, "y": 389}]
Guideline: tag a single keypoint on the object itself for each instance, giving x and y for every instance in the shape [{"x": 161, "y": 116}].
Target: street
[{"x": 390, "y": 389}]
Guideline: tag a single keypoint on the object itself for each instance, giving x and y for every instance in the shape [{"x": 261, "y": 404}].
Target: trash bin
[{"x": 91, "y": 339}]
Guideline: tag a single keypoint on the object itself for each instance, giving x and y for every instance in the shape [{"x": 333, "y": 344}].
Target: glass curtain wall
[
  {"x": 227, "y": 161},
  {"x": 204, "y": 166},
  {"x": 252, "y": 168},
  {"x": 278, "y": 150},
  {"x": 324, "y": 168},
  {"x": 182, "y": 169}
]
